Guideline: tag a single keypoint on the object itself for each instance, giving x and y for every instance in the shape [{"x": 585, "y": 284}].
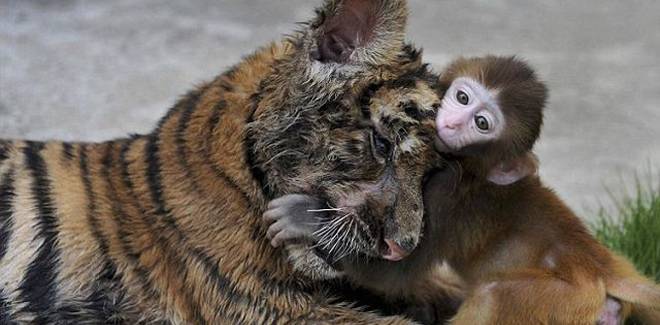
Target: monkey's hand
[{"x": 294, "y": 218}]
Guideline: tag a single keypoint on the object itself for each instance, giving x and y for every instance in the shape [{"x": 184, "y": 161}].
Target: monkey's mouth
[{"x": 440, "y": 145}]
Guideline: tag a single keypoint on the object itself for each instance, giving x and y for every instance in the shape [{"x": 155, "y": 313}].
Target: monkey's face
[
  {"x": 469, "y": 117},
  {"x": 376, "y": 172},
  {"x": 492, "y": 108}
]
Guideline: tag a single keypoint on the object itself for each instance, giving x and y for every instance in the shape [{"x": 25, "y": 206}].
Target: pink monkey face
[{"x": 469, "y": 115}]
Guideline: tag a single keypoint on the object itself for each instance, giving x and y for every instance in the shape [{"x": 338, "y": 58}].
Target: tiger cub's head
[
  {"x": 347, "y": 115},
  {"x": 371, "y": 169}
]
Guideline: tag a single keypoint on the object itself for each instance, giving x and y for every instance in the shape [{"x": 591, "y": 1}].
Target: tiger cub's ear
[{"x": 359, "y": 31}]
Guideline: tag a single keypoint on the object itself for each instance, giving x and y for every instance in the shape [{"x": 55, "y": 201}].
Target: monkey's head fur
[
  {"x": 519, "y": 94},
  {"x": 347, "y": 115}
]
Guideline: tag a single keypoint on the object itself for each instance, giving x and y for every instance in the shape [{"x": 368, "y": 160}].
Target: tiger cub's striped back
[{"x": 53, "y": 259}]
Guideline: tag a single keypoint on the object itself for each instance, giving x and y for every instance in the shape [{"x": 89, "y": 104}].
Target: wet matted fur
[{"x": 165, "y": 227}]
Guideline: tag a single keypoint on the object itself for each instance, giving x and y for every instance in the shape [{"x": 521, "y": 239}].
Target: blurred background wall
[{"x": 99, "y": 69}]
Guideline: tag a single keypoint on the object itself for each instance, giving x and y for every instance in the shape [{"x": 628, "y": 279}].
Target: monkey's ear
[
  {"x": 359, "y": 30},
  {"x": 509, "y": 172}
]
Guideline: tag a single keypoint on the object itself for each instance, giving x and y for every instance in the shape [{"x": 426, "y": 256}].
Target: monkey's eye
[
  {"x": 482, "y": 123},
  {"x": 462, "y": 97},
  {"x": 380, "y": 145}
]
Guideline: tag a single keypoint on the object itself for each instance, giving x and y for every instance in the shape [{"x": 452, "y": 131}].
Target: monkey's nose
[
  {"x": 451, "y": 125},
  {"x": 395, "y": 252},
  {"x": 454, "y": 126}
]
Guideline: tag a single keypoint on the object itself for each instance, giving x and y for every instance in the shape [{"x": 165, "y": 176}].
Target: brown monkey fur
[{"x": 523, "y": 254}]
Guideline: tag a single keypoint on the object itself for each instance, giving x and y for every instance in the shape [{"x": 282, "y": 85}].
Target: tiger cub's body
[
  {"x": 58, "y": 262},
  {"x": 160, "y": 227},
  {"x": 166, "y": 227},
  {"x": 122, "y": 230}
]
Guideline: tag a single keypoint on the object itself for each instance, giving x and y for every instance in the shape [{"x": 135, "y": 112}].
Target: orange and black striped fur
[{"x": 165, "y": 227}]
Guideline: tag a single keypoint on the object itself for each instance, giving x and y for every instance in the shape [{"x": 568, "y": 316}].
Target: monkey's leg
[
  {"x": 533, "y": 297},
  {"x": 436, "y": 296},
  {"x": 437, "y": 310}
]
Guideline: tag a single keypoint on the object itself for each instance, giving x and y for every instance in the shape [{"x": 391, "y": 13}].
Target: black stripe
[
  {"x": 92, "y": 217},
  {"x": 364, "y": 99},
  {"x": 119, "y": 217},
  {"x": 229, "y": 74},
  {"x": 181, "y": 104},
  {"x": 108, "y": 295},
  {"x": 128, "y": 183},
  {"x": 225, "y": 80},
  {"x": 152, "y": 147},
  {"x": 181, "y": 145},
  {"x": 186, "y": 107},
  {"x": 223, "y": 282},
  {"x": 257, "y": 173},
  {"x": 411, "y": 77},
  {"x": 258, "y": 232},
  {"x": 108, "y": 279},
  {"x": 38, "y": 287},
  {"x": 153, "y": 173},
  {"x": 7, "y": 196},
  {"x": 132, "y": 253},
  {"x": 4, "y": 150},
  {"x": 154, "y": 182},
  {"x": 226, "y": 86},
  {"x": 155, "y": 187},
  {"x": 213, "y": 122},
  {"x": 92, "y": 213},
  {"x": 5, "y": 311},
  {"x": 123, "y": 162},
  {"x": 154, "y": 178},
  {"x": 67, "y": 151}
]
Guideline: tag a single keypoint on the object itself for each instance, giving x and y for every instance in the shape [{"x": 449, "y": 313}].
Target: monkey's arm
[
  {"x": 293, "y": 221},
  {"x": 294, "y": 218},
  {"x": 433, "y": 306}
]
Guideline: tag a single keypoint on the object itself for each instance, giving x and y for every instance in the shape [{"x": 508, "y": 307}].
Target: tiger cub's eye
[{"x": 381, "y": 146}]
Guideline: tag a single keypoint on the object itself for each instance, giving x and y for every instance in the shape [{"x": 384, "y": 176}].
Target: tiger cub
[{"x": 165, "y": 227}]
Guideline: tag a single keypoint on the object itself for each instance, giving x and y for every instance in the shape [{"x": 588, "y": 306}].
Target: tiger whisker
[
  {"x": 337, "y": 234},
  {"x": 325, "y": 210}
]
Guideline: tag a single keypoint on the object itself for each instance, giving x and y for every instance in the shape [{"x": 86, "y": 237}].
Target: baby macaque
[{"x": 522, "y": 256}]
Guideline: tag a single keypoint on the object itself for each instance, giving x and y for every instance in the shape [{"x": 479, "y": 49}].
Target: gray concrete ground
[{"x": 94, "y": 69}]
